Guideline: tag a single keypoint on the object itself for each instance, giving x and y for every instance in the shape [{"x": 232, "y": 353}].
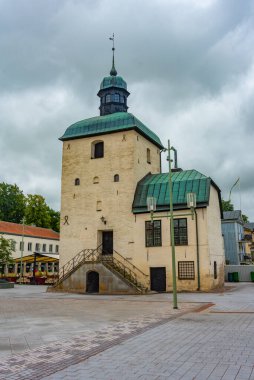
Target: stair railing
[
  {"x": 86, "y": 255},
  {"x": 115, "y": 261},
  {"x": 128, "y": 270}
]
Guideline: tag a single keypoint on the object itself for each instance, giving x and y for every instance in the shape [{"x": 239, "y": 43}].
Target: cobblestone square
[{"x": 66, "y": 336}]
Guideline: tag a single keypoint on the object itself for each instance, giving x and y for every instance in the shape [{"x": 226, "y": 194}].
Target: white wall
[{"x": 34, "y": 241}]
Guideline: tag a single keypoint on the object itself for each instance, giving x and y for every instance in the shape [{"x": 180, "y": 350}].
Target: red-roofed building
[
  {"x": 28, "y": 240},
  {"x": 35, "y": 238}
]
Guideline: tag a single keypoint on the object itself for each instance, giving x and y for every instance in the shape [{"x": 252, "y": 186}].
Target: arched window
[
  {"x": 77, "y": 182},
  {"x": 97, "y": 150},
  {"x": 148, "y": 156},
  {"x": 116, "y": 178},
  {"x": 108, "y": 98},
  {"x": 96, "y": 180}
]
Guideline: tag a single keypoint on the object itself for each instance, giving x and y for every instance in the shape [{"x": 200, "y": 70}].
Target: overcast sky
[{"x": 189, "y": 66}]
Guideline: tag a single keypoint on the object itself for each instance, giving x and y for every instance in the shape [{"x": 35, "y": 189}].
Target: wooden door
[
  {"x": 107, "y": 242},
  {"x": 158, "y": 279}
]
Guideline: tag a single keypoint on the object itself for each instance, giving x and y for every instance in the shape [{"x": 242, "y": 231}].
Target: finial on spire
[{"x": 113, "y": 71}]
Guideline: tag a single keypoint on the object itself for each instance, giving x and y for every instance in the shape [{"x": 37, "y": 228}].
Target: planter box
[
  {"x": 11, "y": 279},
  {"x": 38, "y": 280}
]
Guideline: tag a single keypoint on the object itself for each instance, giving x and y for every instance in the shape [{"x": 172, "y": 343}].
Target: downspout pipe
[{"x": 197, "y": 243}]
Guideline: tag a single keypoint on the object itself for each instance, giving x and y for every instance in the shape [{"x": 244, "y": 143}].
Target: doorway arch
[{"x": 92, "y": 282}]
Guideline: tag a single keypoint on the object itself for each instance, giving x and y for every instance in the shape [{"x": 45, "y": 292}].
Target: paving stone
[{"x": 214, "y": 344}]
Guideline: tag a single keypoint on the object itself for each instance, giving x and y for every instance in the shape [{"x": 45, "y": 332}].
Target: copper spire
[{"x": 113, "y": 71}]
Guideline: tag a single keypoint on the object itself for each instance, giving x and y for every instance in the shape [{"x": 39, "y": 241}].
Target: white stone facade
[{"x": 99, "y": 204}]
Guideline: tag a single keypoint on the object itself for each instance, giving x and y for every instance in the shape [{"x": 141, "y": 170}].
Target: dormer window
[{"x": 97, "y": 149}]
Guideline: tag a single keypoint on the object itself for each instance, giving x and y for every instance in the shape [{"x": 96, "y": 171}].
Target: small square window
[{"x": 186, "y": 270}]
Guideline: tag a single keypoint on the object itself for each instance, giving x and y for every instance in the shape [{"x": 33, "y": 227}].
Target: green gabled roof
[
  {"x": 115, "y": 122},
  {"x": 113, "y": 81},
  {"x": 156, "y": 185}
]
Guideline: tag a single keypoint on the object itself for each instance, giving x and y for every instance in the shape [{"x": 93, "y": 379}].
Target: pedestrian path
[
  {"x": 196, "y": 346},
  {"x": 61, "y": 354},
  {"x": 210, "y": 336}
]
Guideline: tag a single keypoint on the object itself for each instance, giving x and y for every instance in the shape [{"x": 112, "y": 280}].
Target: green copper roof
[
  {"x": 156, "y": 185},
  {"x": 115, "y": 122},
  {"x": 113, "y": 81}
]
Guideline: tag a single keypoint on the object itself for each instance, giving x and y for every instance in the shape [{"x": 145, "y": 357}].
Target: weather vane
[
  {"x": 113, "y": 71},
  {"x": 113, "y": 40}
]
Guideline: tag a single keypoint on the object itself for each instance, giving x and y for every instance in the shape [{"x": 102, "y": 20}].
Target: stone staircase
[{"x": 117, "y": 264}]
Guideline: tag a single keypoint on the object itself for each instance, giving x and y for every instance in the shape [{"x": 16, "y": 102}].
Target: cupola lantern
[{"x": 113, "y": 92}]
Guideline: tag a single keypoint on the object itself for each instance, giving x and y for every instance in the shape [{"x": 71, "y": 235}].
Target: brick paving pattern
[
  {"x": 35, "y": 364},
  {"x": 194, "y": 346},
  {"x": 112, "y": 338}
]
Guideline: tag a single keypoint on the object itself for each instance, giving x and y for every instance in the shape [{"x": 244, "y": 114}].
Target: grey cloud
[{"x": 188, "y": 65}]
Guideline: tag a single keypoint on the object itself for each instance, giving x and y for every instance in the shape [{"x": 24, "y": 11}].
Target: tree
[
  {"x": 227, "y": 205},
  {"x": 55, "y": 219},
  {"x": 12, "y": 203},
  {"x": 245, "y": 218},
  {"x": 6, "y": 250},
  {"x": 37, "y": 211}
]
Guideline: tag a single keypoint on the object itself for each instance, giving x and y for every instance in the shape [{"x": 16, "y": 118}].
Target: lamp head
[{"x": 151, "y": 204}]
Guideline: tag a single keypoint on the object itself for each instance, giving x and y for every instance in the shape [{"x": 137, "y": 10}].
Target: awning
[{"x": 41, "y": 257}]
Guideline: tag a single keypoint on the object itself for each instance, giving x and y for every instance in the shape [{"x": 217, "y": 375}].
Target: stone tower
[{"x": 103, "y": 159}]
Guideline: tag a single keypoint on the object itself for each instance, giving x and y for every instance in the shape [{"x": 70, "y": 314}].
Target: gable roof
[
  {"x": 115, "y": 122},
  {"x": 17, "y": 229},
  {"x": 183, "y": 182}
]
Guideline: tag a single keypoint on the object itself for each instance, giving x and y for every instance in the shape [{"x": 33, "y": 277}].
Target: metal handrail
[
  {"x": 126, "y": 272},
  {"x": 133, "y": 266},
  {"x": 126, "y": 266},
  {"x": 89, "y": 254},
  {"x": 116, "y": 261}
]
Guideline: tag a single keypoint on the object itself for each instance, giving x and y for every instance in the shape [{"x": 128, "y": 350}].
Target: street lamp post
[
  {"x": 22, "y": 249},
  {"x": 172, "y": 232},
  {"x": 151, "y": 205}
]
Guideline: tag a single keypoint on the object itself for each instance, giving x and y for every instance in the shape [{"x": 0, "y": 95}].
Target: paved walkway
[{"x": 153, "y": 342}]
